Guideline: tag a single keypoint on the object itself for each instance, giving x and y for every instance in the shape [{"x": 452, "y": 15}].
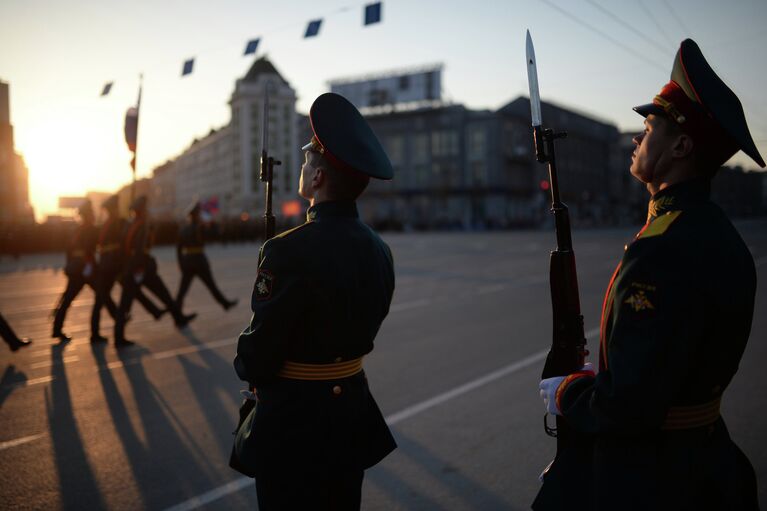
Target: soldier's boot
[{"x": 17, "y": 343}]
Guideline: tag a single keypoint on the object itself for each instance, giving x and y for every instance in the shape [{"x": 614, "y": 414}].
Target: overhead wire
[
  {"x": 652, "y": 17},
  {"x": 685, "y": 30},
  {"x": 628, "y": 26},
  {"x": 616, "y": 42}
]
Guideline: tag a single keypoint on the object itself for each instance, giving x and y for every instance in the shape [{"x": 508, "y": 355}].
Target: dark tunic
[
  {"x": 320, "y": 296},
  {"x": 81, "y": 250},
  {"x": 194, "y": 263},
  {"x": 676, "y": 319},
  {"x": 80, "y": 253}
]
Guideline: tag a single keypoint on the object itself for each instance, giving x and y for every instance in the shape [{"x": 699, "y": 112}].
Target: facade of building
[
  {"x": 455, "y": 168},
  {"x": 460, "y": 168},
  {"x": 224, "y": 166},
  {"x": 163, "y": 203},
  {"x": 14, "y": 175},
  {"x": 247, "y": 137}
]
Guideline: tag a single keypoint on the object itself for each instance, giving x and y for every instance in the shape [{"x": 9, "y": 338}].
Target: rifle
[
  {"x": 266, "y": 175},
  {"x": 568, "y": 347},
  {"x": 267, "y": 170}
]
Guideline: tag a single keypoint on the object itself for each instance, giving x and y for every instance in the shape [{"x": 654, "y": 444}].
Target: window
[
  {"x": 477, "y": 143},
  {"x": 421, "y": 148},
  {"x": 444, "y": 143}
]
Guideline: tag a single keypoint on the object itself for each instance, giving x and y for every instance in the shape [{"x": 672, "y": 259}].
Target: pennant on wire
[
  {"x": 107, "y": 88},
  {"x": 372, "y": 13},
  {"x": 188, "y": 66},
  {"x": 251, "y": 47},
  {"x": 313, "y": 28}
]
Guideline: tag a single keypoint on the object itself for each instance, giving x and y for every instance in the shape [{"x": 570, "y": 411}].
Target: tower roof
[{"x": 260, "y": 67}]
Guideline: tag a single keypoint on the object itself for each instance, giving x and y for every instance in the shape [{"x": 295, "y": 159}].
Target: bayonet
[{"x": 567, "y": 351}]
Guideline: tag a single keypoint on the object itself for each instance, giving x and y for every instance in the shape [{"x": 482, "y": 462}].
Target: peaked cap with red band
[
  {"x": 345, "y": 139},
  {"x": 703, "y": 105}
]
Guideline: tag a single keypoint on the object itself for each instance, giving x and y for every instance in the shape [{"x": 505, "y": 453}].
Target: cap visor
[{"x": 649, "y": 108}]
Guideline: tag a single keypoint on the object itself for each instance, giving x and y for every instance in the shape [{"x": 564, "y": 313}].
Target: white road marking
[
  {"x": 214, "y": 494},
  {"x": 49, "y": 363},
  {"x": 410, "y": 411},
  {"x": 409, "y": 305},
  {"x": 20, "y": 441},
  {"x": 493, "y": 288},
  {"x": 131, "y": 361}
]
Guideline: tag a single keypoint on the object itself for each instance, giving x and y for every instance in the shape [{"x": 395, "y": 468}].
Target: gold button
[
  {"x": 625, "y": 247},
  {"x": 338, "y": 359},
  {"x": 337, "y": 390}
]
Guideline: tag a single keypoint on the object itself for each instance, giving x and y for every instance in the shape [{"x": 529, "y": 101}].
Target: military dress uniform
[
  {"x": 80, "y": 269},
  {"x": 320, "y": 295},
  {"x": 190, "y": 252},
  {"x": 675, "y": 321},
  {"x": 141, "y": 270},
  {"x": 111, "y": 251}
]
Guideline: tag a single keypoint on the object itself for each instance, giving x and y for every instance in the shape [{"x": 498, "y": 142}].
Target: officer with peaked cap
[
  {"x": 190, "y": 252},
  {"x": 110, "y": 251},
  {"x": 80, "y": 268},
  {"x": 675, "y": 321},
  {"x": 320, "y": 295},
  {"x": 141, "y": 270}
]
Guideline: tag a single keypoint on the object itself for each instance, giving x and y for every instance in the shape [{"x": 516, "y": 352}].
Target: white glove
[
  {"x": 138, "y": 277},
  {"x": 87, "y": 270},
  {"x": 549, "y": 386}
]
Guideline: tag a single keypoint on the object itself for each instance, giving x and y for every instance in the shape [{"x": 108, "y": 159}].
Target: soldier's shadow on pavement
[
  {"x": 161, "y": 460},
  {"x": 76, "y": 477},
  {"x": 471, "y": 493},
  {"x": 11, "y": 380},
  {"x": 207, "y": 390}
]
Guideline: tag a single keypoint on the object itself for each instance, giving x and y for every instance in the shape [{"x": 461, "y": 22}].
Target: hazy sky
[{"x": 594, "y": 56}]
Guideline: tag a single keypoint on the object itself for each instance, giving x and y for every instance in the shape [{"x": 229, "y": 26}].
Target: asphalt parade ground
[{"x": 455, "y": 371}]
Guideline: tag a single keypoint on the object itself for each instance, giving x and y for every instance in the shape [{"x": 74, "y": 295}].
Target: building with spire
[
  {"x": 224, "y": 165},
  {"x": 14, "y": 176}
]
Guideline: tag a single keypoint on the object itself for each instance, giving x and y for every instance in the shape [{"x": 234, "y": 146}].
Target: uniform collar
[
  {"x": 679, "y": 196},
  {"x": 332, "y": 209}
]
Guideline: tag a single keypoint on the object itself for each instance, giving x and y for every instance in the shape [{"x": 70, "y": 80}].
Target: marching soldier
[
  {"x": 141, "y": 270},
  {"x": 80, "y": 269},
  {"x": 675, "y": 320},
  {"x": 190, "y": 252},
  {"x": 320, "y": 295},
  {"x": 9, "y": 336},
  {"x": 111, "y": 258}
]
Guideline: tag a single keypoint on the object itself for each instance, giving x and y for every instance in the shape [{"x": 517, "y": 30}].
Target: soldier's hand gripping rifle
[{"x": 568, "y": 347}]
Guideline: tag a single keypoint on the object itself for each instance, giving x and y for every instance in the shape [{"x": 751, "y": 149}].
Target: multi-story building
[
  {"x": 247, "y": 105},
  {"x": 14, "y": 176},
  {"x": 162, "y": 192},
  {"x": 463, "y": 168},
  {"x": 225, "y": 164}
]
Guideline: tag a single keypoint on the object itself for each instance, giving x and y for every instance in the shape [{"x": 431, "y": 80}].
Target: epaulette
[
  {"x": 660, "y": 225},
  {"x": 292, "y": 231}
]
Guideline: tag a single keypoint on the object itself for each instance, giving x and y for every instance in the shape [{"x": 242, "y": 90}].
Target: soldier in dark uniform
[
  {"x": 80, "y": 268},
  {"x": 110, "y": 265},
  {"x": 675, "y": 322},
  {"x": 9, "y": 336},
  {"x": 319, "y": 298},
  {"x": 141, "y": 270},
  {"x": 190, "y": 251}
]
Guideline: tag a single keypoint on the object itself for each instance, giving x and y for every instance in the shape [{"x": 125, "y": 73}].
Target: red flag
[{"x": 131, "y": 127}]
